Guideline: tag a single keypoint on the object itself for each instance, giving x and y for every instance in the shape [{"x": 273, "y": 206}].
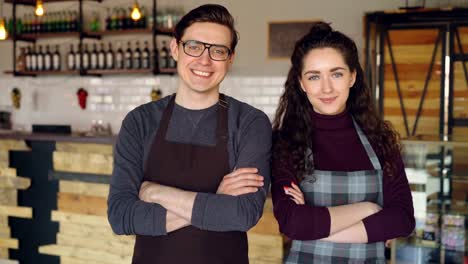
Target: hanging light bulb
[
  {"x": 39, "y": 8},
  {"x": 3, "y": 32},
  {"x": 136, "y": 11}
]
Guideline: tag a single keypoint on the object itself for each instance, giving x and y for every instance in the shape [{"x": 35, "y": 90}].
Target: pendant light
[
  {"x": 39, "y": 8},
  {"x": 3, "y": 32},
  {"x": 136, "y": 14}
]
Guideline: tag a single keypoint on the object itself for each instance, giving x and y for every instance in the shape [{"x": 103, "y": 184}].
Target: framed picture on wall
[{"x": 282, "y": 35}]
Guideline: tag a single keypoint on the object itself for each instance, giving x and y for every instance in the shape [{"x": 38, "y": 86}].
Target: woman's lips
[{"x": 327, "y": 100}]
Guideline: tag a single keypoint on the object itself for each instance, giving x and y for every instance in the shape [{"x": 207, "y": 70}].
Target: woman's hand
[{"x": 295, "y": 192}]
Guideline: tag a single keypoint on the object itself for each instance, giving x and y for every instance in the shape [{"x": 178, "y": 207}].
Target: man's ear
[{"x": 174, "y": 49}]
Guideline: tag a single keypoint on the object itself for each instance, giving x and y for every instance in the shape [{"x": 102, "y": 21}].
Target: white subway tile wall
[{"x": 53, "y": 100}]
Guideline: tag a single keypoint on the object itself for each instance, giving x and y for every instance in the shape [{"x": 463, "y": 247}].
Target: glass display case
[{"x": 438, "y": 175}]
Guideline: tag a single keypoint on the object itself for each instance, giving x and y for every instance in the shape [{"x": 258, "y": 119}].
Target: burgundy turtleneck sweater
[{"x": 337, "y": 147}]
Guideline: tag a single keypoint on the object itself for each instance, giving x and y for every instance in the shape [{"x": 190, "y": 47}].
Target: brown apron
[{"x": 199, "y": 169}]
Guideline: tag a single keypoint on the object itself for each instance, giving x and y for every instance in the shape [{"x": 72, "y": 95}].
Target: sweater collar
[{"x": 342, "y": 120}]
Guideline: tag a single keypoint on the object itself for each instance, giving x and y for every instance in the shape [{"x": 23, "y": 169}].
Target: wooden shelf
[
  {"x": 33, "y": 2},
  {"x": 47, "y": 35},
  {"x": 164, "y": 31},
  {"x": 120, "y": 71},
  {"x": 35, "y": 73},
  {"x": 124, "y": 32},
  {"x": 168, "y": 71}
]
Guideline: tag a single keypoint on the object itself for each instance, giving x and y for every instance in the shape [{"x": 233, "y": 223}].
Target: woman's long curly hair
[{"x": 293, "y": 126}]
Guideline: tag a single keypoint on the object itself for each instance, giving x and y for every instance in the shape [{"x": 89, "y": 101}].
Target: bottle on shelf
[
  {"x": 108, "y": 19},
  {"x": 78, "y": 52},
  {"x": 119, "y": 57},
  {"x": 128, "y": 57},
  {"x": 145, "y": 57},
  {"x": 102, "y": 57},
  {"x": 127, "y": 20},
  {"x": 34, "y": 59},
  {"x": 71, "y": 59},
  {"x": 143, "y": 21},
  {"x": 40, "y": 59},
  {"x": 109, "y": 57},
  {"x": 21, "y": 60},
  {"x": 75, "y": 22},
  {"x": 47, "y": 59},
  {"x": 93, "y": 58},
  {"x": 28, "y": 59},
  {"x": 85, "y": 58},
  {"x": 114, "y": 19},
  {"x": 120, "y": 19},
  {"x": 163, "y": 55},
  {"x": 137, "y": 56},
  {"x": 94, "y": 24},
  {"x": 56, "y": 63}
]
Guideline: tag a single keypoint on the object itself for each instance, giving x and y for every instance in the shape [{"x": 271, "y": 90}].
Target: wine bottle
[
  {"x": 101, "y": 57},
  {"x": 163, "y": 56},
  {"x": 40, "y": 59},
  {"x": 119, "y": 57},
  {"x": 85, "y": 58},
  {"x": 71, "y": 59},
  {"x": 109, "y": 57},
  {"x": 145, "y": 57},
  {"x": 94, "y": 58},
  {"x": 47, "y": 59},
  {"x": 56, "y": 64},
  {"x": 28, "y": 59},
  {"x": 34, "y": 59},
  {"x": 79, "y": 50},
  {"x": 137, "y": 56},
  {"x": 128, "y": 57}
]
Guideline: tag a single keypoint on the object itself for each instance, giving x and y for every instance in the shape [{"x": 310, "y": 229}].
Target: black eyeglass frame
[{"x": 207, "y": 46}]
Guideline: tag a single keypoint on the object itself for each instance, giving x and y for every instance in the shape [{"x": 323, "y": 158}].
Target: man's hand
[
  {"x": 240, "y": 181},
  {"x": 147, "y": 189}
]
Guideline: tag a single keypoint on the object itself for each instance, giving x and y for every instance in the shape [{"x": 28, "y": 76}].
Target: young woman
[{"x": 339, "y": 187}]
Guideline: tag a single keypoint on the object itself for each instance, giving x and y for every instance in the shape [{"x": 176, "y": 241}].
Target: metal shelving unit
[{"x": 81, "y": 34}]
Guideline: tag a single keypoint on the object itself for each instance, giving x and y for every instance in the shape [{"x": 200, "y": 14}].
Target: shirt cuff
[{"x": 198, "y": 210}]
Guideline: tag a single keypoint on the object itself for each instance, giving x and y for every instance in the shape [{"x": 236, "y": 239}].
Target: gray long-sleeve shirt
[{"x": 248, "y": 146}]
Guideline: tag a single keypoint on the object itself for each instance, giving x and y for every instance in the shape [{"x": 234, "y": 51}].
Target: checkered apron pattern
[{"x": 332, "y": 188}]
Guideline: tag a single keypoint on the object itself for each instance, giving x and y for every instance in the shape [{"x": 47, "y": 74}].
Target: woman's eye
[
  {"x": 314, "y": 77},
  {"x": 337, "y": 74}
]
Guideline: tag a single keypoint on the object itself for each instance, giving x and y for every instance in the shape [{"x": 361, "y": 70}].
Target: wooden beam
[
  {"x": 59, "y": 216},
  {"x": 9, "y": 243},
  {"x": 110, "y": 246},
  {"x": 83, "y": 162},
  {"x": 84, "y": 253},
  {"x": 84, "y": 148},
  {"x": 15, "y": 183},
  {"x": 84, "y": 188},
  {"x": 82, "y": 204},
  {"x": 7, "y": 172},
  {"x": 9, "y": 197},
  {"x": 16, "y": 211},
  {"x": 4, "y": 255},
  {"x": 8, "y": 261},
  {"x": 265, "y": 247},
  {"x": 11, "y": 144},
  {"x": 99, "y": 232},
  {"x": 68, "y": 260},
  {"x": 5, "y": 232}
]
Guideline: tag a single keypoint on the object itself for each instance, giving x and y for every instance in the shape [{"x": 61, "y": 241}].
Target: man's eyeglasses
[{"x": 196, "y": 48}]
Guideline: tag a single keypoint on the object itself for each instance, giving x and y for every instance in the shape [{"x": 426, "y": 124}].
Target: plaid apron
[{"x": 333, "y": 188}]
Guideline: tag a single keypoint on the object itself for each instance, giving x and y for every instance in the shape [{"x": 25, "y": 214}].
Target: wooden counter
[{"x": 77, "y": 173}]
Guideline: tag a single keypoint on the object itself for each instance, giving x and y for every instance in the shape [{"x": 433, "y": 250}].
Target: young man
[{"x": 192, "y": 170}]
